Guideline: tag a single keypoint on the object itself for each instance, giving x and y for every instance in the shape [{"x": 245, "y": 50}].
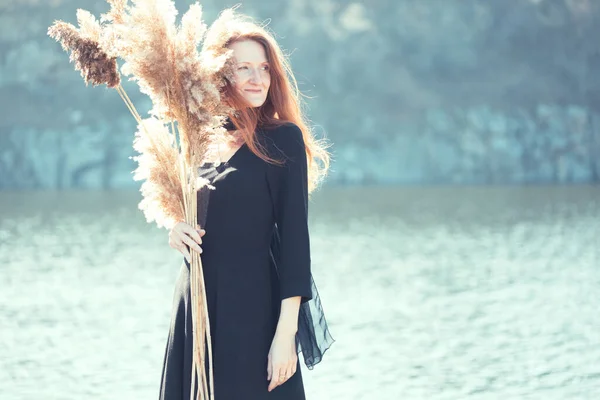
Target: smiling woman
[
  {"x": 263, "y": 304},
  {"x": 252, "y": 75}
]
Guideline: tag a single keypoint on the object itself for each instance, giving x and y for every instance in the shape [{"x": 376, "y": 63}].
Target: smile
[{"x": 253, "y": 90}]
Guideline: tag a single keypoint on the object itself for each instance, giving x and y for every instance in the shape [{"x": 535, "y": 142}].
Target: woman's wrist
[
  {"x": 288, "y": 317},
  {"x": 284, "y": 329},
  {"x": 287, "y": 324}
]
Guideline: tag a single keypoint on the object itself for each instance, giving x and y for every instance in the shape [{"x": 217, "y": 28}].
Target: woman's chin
[{"x": 256, "y": 103}]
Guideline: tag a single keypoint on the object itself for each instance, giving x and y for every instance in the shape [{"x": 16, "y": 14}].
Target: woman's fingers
[
  {"x": 278, "y": 377},
  {"x": 269, "y": 369},
  {"x": 190, "y": 242},
  {"x": 183, "y": 235},
  {"x": 184, "y": 229},
  {"x": 274, "y": 379},
  {"x": 193, "y": 233},
  {"x": 172, "y": 242},
  {"x": 288, "y": 373},
  {"x": 174, "y": 239}
]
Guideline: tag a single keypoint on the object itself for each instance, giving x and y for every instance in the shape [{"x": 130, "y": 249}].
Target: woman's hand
[
  {"x": 183, "y": 234},
  {"x": 282, "y": 359}
]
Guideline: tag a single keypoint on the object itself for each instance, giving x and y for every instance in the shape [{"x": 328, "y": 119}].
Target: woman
[{"x": 263, "y": 304}]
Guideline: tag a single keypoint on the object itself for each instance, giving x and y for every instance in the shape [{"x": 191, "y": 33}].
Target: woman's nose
[{"x": 256, "y": 78}]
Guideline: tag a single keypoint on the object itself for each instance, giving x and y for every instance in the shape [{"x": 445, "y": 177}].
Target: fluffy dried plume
[
  {"x": 164, "y": 60},
  {"x": 192, "y": 30},
  {"x": 118, "y": 8},
  {"x": 95, "y": 65},
  {"x": 185, "y": 88},
  {"x": 158, "y": 166},
  {"x": 144, "y": 40},
  {"x": 215, "y": 56},
  {"x": 220, "y": 31},
  {"x": 183, "y": 84},
  {"x": 89, "y": 27}
]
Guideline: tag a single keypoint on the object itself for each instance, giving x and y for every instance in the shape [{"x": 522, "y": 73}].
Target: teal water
[{"x": 431, "y": 293}]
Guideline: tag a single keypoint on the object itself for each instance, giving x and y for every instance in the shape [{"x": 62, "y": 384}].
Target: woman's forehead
[{"x": 249, "y": 51}]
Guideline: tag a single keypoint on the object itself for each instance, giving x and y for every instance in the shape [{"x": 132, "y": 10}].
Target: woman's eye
[{"x": 265, "y": 68}]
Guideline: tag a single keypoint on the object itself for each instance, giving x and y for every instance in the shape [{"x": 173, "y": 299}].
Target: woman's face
[{"x": 252, "y": 71}]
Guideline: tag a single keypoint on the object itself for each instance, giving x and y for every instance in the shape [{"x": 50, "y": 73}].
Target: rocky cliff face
[{"x": 408, "y": 91}]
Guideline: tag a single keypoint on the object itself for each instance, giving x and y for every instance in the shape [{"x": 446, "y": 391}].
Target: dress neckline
[{"x": 228, "y": 161}]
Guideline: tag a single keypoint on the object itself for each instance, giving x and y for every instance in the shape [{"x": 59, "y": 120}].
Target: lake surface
[{"x": 431, "y": 293}]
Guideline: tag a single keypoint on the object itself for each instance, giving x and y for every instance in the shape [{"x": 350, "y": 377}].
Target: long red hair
[{"x": 283, "y": 103}]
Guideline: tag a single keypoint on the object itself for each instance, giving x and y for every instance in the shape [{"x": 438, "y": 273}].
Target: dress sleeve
[
  {"x": 291, "y": 212},
  {"x": 288, "y": 186}
]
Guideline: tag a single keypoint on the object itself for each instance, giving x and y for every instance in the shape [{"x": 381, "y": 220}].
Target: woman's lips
[{"x": 253, "y": 90}]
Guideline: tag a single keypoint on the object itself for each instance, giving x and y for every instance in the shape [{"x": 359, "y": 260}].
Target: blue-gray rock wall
[{"x": 408, "y": 92}]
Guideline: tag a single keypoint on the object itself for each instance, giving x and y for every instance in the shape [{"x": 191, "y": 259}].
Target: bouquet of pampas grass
[{"x": 187, "y": 116}]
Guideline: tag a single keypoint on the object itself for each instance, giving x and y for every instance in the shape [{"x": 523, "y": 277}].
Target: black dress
[{"x": 256, "y": 252}]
